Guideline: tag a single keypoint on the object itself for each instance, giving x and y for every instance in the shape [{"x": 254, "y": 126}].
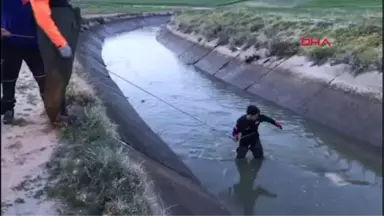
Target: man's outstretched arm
[
  {"x": 264, "y": 118},
  {"x": 42, "y": 13}
]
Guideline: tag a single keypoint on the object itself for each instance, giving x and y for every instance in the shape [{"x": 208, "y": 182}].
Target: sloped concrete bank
[
  {"x": 177, "y": 186},
  {"x": 334, "y": 99}
]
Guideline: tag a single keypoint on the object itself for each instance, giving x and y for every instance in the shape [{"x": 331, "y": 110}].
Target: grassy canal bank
[
  {"x": 80, "y": 169},
  {"x": 91, "y": 173},
  {"x": 353, "y": 28}
]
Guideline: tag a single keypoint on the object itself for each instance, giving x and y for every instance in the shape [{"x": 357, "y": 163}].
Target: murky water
[{"x": 308, "y": 170}]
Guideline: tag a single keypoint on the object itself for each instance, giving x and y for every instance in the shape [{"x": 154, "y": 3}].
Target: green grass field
[
  {"x": 290, "y": 6},
  {"x": 256, "y": 3},
  {"x": 207, "y": 3},
  {"x": 110, "y": 8},
  {"x": 113, "y": 6},
  {"x": 316, "y": 3},
  {"x": 344, "y": 3}
]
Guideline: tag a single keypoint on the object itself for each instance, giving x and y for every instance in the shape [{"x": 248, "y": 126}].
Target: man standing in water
[
  {"x": 59, "y": 28},
  {"x": 247, "y": 134}
]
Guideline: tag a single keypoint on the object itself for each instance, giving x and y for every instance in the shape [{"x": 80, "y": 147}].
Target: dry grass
[
  {"x": 92, "y": 173},
  {"x": 356, "y": 37}
]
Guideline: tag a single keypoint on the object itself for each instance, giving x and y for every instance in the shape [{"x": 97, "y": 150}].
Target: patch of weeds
[
  {"x": 284, "y": 25},
  {"x": 260, "y": 44},
  {"x": 250, "y": 41},
  {"x": 187, "y": 29},
  {"x": 223, "y": 39},
  {"x": 79, "y": 92},
  {"x": 280, "y": 30},
  {"x": 320, "y": 53},
  {"x": 94, "y": 174},
  {"x": 255, "y": 27},
  {"x": 238, "y": 41},
  {"x": 283, "y": 48},
  {"x": 90, "y": 171},
  {"x": 324, "y": 24}
]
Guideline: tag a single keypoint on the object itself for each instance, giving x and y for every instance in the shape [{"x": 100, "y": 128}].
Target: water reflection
[{"x": 244, "y": 190}]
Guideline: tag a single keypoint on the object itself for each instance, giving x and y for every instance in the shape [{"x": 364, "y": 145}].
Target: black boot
[
  {"x": 3, "y": 107},
  {"x": 7, "y": 110},
  {"x": 9, "y": 115}
]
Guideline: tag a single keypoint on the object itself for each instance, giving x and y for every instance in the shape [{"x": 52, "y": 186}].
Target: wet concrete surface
[{"x": 308, "y": 169}]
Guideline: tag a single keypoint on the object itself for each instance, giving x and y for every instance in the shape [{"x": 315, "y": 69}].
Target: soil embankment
[
  {"x": 178, "y": 188},
  {"x": 327, "y": 94}
]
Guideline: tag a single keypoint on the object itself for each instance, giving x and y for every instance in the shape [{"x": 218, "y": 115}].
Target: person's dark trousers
[
  {"x": 12, "y": 57},
  {"x": 252, "y": 144},
  {"x": 59, "y": 69}
]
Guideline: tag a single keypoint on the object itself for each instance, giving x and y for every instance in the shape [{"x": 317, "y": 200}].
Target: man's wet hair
[{"x": 252, "y": 110}]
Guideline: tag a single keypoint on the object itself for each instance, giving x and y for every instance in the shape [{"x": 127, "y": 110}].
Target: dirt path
[{"x": 26, "y": 146}]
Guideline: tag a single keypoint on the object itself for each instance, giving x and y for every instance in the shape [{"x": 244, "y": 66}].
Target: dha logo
[{"x": 308, "y": 42}]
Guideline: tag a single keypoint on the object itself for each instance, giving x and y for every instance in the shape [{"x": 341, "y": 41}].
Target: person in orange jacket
[
  {"x": 42, "y": 12},
  {"x": 59, "y": 28}
]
